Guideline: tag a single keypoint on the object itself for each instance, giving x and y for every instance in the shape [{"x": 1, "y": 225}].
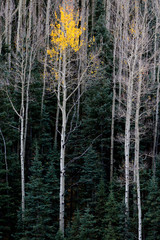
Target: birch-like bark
[
  {"x": 10, "y": 10},
  {"x": 6, "y": 21},
  {"x": 108, "y": 14},
  {"x": 19, "y": 24},
  {"x": 22, "y": 143},
  {"x": 157, "y": 98},
  {"x": 137, "y": 143},
  {"x": 114, "y": 96},
  {"x": 58, "y": 100},
  {"x": 128, "y": 116},
  {"x": 93, "y": 14},
  {"x": 120, "y": 56},
  {"x": 63, "y": 139},
  {"x": 155, "y": 50},
  {"x": 156, "y": 122},
  {"x": 127, "y": 142},
  {"x": 0, "y": 34}
]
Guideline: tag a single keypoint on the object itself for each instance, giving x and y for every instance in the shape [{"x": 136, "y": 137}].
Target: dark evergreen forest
[{"x": 79, "y": 120}]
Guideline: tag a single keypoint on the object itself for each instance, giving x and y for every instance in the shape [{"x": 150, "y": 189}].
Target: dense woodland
[{"x": 79, "y": 119}]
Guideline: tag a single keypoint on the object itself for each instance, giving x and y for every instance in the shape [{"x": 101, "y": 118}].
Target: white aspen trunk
[
  {"x": 63, "y": 138},
  {"x": 157, "y": 100},
  {"x": 62, "y": 154},
  {"x": 128, "y": 118},
  {"x": 114, "y": 98},
  {"x": 155, "y": 50},
  {"x": 137, "y": 143},
  {"x": 108, "y": 14},
  {"x": 19, "y": 25},
  {"x": 10, "y": 31},
  {"x": 58, "y": 100},
  {"x": 46, "y": 55},
  {"x": 93, "y": 13},
  {"x": 84, "y": 36},
  {"x": 27, "y": 101},
  {"x": 0, "y": 34},
  {"x": 127, "y": 143},
  {"x": 133, "y": 52},
  {"x": 120, "y": 56},
  {"x": 22, "y": 145},
  {"x": 28, "y": 39},
  {"x": 6, "y": 21},
  {"x": 156, "y": 123}
]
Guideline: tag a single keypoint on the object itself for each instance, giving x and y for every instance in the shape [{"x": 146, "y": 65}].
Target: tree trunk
[
  {"x": 108, "y": 14},
  {"x": 137, "y": 142},
  {"x": 22, "y": 147},
  {"x": 58, "y": 100},
  {"x": 19, "y": 25},
  {"x": 114, "y": 97},
  {"x": 156, "y": 123},
  {"x": 6, "y": 21},
  {"x": 62, "y": 154},
  {"x": 93, "y": 14},
  {"x": 157, "y": 100},
  {"x": 9, "y": 32}
]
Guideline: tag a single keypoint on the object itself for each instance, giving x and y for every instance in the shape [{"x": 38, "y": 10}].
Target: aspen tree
[
  {"x": 128, "y": 115},
  {"x": 120, "y": 53},
  {"x": 64, "y": 36},
  {"x": 6, "y": 21},
  {"x": 114, "y": 92},
  {"x": 1, "y": 25},
  {"x": 108, "y": 14},
  {"x": 143, "y": 43},
  {"x": 156, "y": 77},
  {"x": 93, "y": 14},
  {"x": 26, "y": 52},
  {"x": 19, "y": 24}
]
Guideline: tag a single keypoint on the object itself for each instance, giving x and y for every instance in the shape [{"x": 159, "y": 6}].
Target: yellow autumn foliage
[{"x": 66, "y": 32}]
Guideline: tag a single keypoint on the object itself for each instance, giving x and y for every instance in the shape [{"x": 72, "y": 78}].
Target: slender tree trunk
[
  {"x": 10, "y": 31},
  {"x": 156, "y": 123},
  {"x": 108, "y": 14},
  {"x": 120, "y": 56},
  {"x": 0, "y": 34},
  {"x": 93, "y": 14},
  {"x": 6, "y": 21},
  {"x": 62, "y": 154},
  {"x": 114, "y": 96},
  {"x": 157, "y": 100},
  {"x": 127, "y": 144},
  {"x": 137, "y": 143},
  {"x": 28, "y": 45},
  {"x": 22, "y": 147},
  {"x": 58, "y": 100},
  {"x": 128, "y": 115},
  {"x": 19, "y": 24}
]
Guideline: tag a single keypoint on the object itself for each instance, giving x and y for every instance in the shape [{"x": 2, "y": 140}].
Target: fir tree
[
  {"x": 152, "y": 215},
  {"x": 40, "y": 195},
  {"x": 87, "y": 229},
  {"x": 99, "y": 211}
]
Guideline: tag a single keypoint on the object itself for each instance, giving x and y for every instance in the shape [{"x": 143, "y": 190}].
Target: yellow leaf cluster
[
  {"x": 66, "y": 32},
  {"x": 132, "y": 29}
]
